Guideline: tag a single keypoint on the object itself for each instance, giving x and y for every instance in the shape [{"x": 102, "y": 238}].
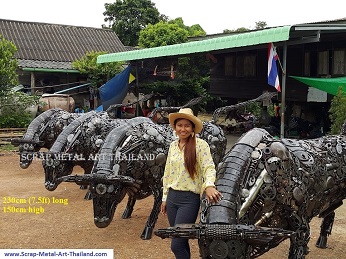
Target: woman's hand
[
  {"x": 163, "y": 208},
  {"x": 212, "y": 194}
]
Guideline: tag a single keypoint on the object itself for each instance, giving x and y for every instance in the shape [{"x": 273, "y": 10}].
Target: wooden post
[{"x": 32, "y": 82}]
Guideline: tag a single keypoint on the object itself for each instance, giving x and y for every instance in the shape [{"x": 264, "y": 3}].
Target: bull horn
[{"x": 100, "y": 178}]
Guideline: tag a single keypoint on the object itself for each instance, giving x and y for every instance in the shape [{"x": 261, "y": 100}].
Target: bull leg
[
  {"x": 326, "y": 230},
  {"x": 149, "y": 226},
  {"x": 129, "y": 207},
  {"x": 87, "y": 166},
  {"x": 299, "y": 241},
  {"x": 87, "y": 170}
]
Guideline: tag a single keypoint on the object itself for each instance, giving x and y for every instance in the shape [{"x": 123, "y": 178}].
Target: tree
[
  {"x": 337, "y": 113},
  {"x": 192, "y": 76},
  {"x": 241, "y": 29},
  {"x": 97, "y": 74},
  {"x": 162, "y": 34},
  {"x": 168, "y": 33},
  {"x": 128, "y": 17},
  {"x": 193, "y": 30},
  {"x": 8, "y": 64},
  {"x": 260, "y": 25},
  {"x": 13, "y": 108},
  {"x": 13, "y": 104}
]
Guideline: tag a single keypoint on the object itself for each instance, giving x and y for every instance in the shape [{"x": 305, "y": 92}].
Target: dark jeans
[{"x": 182, "y": 208}]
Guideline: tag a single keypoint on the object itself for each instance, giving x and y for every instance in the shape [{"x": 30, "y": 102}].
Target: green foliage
[
  {"x": 337, "y": 112},
  {"x": 194, "y": 66},
  {"x": 241, "y": 29},
  {"x": 8, "y": 64},
  {"x": 196, "y": 30},
  {"x": 193, "y": 30},
  {"x": 13, "y": 107},
  {"x": 98, "y": 74},
  {"x": 162, "y": 34},
  {"x": 166, "y": 33},
  {"x": 15, "y": 120},
  {"x": 8, "y": 147},
  {"x": 13, "y": 104},
  {"x": 255, "y": 108},
  {"x": 260, "y": 25},
  {"x": 192, "y": 76},
  {"x": 128, "y": 17},
  {"x": 178, "y": 93}
]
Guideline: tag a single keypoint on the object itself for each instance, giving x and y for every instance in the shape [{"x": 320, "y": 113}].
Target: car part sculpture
[
  {"x": 271, "y": 191},
  {"x": 41, "y": 133}
]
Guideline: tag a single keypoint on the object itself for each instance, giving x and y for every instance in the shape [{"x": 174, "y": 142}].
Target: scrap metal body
[
  {"x": 42, "y": 133},
  {"x": 276, "y": 187},
  {"x": 132, "y": 160}
]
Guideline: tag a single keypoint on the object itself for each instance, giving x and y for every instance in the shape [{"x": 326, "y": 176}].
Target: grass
[{"x": 8, "y": 147}]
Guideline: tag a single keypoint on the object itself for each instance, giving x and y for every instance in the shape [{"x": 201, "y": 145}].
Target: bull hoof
[
  {"x": 88, "y": 196},
  {"x": 127, "y": 213},
  {"x": 147, "y": 233},
  {"x": 83, "y": 187},
  {"x": 321, "y": 242}
]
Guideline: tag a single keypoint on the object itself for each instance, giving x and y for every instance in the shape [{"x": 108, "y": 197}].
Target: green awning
[
  {"x": 222, "y": 42},
  {"x": 329, "y": 85}
]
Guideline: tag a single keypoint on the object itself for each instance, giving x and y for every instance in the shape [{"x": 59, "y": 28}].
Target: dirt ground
[{"x": 70, "y": 225}]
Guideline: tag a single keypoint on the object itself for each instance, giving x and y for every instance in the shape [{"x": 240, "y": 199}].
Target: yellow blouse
[{"x": 177, "y": 177}]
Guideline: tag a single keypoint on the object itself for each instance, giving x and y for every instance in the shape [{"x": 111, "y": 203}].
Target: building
[
  {"x": 239, "y": 63},
  {"x": 46, "y": 52}
]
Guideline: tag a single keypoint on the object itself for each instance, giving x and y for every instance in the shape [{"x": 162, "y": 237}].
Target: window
[
  {"x": 307, "y": 64},
  {"x": 323, "y": 63},
  {"x": 339, "y": 62},
  {"x": 250, "y": 66},
  {"x": 229, "y": 65},
  {"x": 240, "y": 66}
]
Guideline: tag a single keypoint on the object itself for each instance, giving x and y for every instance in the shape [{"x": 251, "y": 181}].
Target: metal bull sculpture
[
  {"x": 271, "y": 191},
  {"x": 45, "y": 129},
  {"x": 132, "y": 161},
  {"x": 77, "y": 145},
  {"x": 113, "y": 175},
  {"x": 41, "y": 133}
]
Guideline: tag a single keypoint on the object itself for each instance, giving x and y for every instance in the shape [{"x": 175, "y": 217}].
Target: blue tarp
[
  {"x": 115, "y": 90},
  {"x": 99, "y": 109}
]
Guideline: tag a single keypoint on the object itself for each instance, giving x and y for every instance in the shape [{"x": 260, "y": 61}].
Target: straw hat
[{"x": 186, "y": 113}]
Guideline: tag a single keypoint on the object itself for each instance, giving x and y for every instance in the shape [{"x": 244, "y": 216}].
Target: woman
[{"x": 189, "y": 172}]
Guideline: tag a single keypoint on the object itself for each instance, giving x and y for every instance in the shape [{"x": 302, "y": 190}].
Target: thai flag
[{"x": 273, "y": 77}]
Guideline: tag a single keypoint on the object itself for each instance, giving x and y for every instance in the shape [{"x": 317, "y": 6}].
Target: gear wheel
[{"x": 218, "y": 249}]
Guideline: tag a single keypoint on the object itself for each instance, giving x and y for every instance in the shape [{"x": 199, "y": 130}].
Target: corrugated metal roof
[
  {"x": 225, "y": 42},
  {"x": 50, "y": 44}
]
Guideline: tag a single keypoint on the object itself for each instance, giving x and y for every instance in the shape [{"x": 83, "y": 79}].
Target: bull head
[
  {"x": 56, "y": 166},
  {"x": 27, "y": 150},
  {"x": 107, "y": 191}
]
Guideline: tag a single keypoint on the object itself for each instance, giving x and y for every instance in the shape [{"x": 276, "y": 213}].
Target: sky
[{"x": 214, "y": 16}]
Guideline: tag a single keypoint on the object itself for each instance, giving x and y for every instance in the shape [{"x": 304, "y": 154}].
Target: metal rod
[{"x": 283, "y": 92}]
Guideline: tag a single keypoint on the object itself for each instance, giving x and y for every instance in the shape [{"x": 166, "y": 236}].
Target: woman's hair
[{"x": 190, "y": 152}]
